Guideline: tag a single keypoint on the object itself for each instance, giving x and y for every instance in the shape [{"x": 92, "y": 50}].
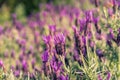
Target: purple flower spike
[
  {"x": 21, "y": 57},
  {"x": 13, "y": 54},
  {"x": 52, "y": 29},
  {"x": 18, "y": 25},
  {"x": 45, "y": 56},
  {"x": 59, "y": 41},
  {"x": 110, "y": 37},
  {"x": 24, "y": 66},
  {"x": 84, "y": 40},
  {"x": 114, "y": 2},
  {"x": 92, "y": 44},
  {"x": 1, "y": 29},
  {"x": 96, "y": 20},
  {"x": 76, "y": 56},
  {"x": 62, "y": 77},
  {"x": 33, "y": 63},
  {"x": 76, "y": 12},
  {"x": 89, "y": 35},
  {"x": 17, "y": 65},
  {"x": 108, "y": 76},
  {"x": 1, "y": 63},
  {"x": 55, "y": 64},
  {"x": 99, "y": 52},
  {"x": 46, "y": 39},
  {"x": 99, "y": 77},
  {"x": 60, "y": 38},
  {"x": 32, "y": 24},
  {"x": 12, "y": 67},
  {"x": 89, "y": 16},
  {"x": 82, "y": 24},
  {"x": 74, "y": 29},
  {"x": 17, "y": 73},
  {"x": 78, "y": 40}
]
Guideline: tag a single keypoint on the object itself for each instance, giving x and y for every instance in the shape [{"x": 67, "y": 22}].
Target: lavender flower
[
  {"x": 108, "y": 76},
  {"x": 45, "y": 56},
  {"x": 80, "y": 45},
  {"x": 98, "y": 36},
  {"x": 83, "y": 25},
  {"x": 55, "y": 64},
  {"x": 22, "y": 44},
  {"x": 52, "y": 29},
  {"x": 31, "y": 49},
  {"x": 32, "y": 24},
  {"x": 99, "y": 52},
  {"x": 59, "y": 41},
  {"x": 21, "y": 57},
  {"x": 17, "y": 65},
  {"x": 78, "y": 41},
  {"x": 84, "y": 48},
  {"x": 92, "y": 44},
  {"x": 12, "y": 67},
  {"x": 24, "y": 66},
  {"x": 47, "y": 41},
  {"x": 33, "y": 63},
  {"x": 77, "y": 13},
  {"x": 89, "y": 16},
  {"x": 1, "y": 29},
  {"x": 110, "y": 37},
  {"x": 99, "y": 77},
  {"x": 13, "y": 54},
  {"x": 1, "y": 63},
  {"x": 17, "y": 23},
  {"x": 62, "y": 77},
  {"x": 76, "y": 56},
  {"x": 17, "y": 73},
  {"x": 89, "y": 35}
]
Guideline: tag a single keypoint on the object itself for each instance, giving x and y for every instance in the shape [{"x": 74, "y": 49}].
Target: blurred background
[{"x": 24, "y": 8}]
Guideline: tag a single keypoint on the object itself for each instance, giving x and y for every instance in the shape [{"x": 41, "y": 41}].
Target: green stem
[{"x": 62, "y": 59}]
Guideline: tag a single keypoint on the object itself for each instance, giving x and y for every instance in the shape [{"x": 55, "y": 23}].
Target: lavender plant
[{"x": 63, "y": 43}]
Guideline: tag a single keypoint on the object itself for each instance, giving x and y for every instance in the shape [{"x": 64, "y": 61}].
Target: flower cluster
[{"x": 64, "y": 43}]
